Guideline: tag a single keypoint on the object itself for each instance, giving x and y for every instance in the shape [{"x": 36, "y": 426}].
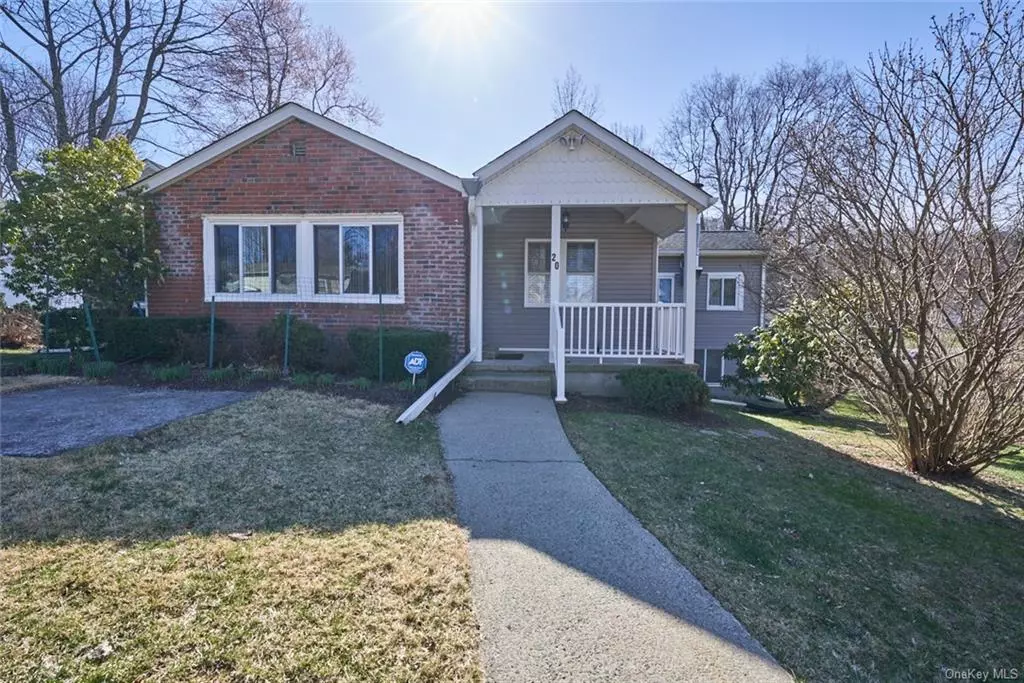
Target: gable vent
[{"x": 298, "y": 148}]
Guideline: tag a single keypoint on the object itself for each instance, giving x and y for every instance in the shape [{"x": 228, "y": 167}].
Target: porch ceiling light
[{"x": 565, "y": 221}]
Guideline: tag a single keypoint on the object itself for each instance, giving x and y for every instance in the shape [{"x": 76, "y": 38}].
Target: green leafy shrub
[
  {"x": 307, "y": 346},
  {"x": 787, "y": 359},
  {"x": 398, "y": 342},
  {"x": 171, "y": 373},
  {"x": 664, "y": 390},
  {"x": 225, "y": 374},
  {"x": 46, "y": 364},
  {"x": 159, "y": 339},
  {"x": 103, "y": 368},
  {"x": 66, "y": 328},
  {"x": 325, "y": 379}
]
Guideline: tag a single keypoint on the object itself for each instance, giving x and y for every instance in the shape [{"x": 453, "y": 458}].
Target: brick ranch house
[{"x": 296, "y": 211}]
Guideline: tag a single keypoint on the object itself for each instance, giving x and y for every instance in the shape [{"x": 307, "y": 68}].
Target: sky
[{"x": 458, "y": 84}]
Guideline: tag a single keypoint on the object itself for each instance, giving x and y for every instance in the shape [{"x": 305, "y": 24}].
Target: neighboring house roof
[
  {"x": 149, "y": 167},
  {"x": 635, "y": 157},
  {"x": 714, "y": 241},
  {"x": 277, "y": 118}
]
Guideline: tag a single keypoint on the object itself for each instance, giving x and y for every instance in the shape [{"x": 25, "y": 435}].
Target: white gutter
[{"x": 421, "y": 403}]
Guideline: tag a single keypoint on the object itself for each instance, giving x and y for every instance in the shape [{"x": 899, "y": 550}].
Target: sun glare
[{"x": 449, "y": 25}]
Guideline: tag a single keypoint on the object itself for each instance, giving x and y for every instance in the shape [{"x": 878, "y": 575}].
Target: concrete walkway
[{"x": 566, "y": 584}]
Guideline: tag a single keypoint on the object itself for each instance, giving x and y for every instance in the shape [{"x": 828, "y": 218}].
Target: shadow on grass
[
  {"x": 281, "y": 460},
  {"x": 832, "y": 562}
]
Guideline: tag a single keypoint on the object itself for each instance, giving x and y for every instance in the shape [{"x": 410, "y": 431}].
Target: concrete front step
[{"x": 517, "y": 383}]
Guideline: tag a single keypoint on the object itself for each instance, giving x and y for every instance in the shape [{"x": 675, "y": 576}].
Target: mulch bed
[{"x": 389, "y": 394}]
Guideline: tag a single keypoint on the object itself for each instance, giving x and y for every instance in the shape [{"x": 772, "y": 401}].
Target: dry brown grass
[
  {"x": 13, "y": 383},
  {"x": 291, "y": 537}
]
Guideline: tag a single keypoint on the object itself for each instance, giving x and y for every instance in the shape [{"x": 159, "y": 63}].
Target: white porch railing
[{"x": 615, "y": 331}]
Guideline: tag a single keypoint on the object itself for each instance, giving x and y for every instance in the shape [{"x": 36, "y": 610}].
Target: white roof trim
[
  {"x": 715, "y": 252},
  {"x": 278, "y": 118},
  {"x": 623, "y": 149}
]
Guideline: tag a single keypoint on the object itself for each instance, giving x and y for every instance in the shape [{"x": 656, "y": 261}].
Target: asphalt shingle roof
[{"x": 717, "y": 240}]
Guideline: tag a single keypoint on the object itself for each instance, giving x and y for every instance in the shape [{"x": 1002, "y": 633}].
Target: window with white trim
[
  {"x": 353, "y": 258},
  {"x": 709, "y": 365},
  {"x": 356, "y": 259},
  {"x": 578, "y": 277},
  {"x": 725, "y": 292},
  {"x": 253, "y": 259}
]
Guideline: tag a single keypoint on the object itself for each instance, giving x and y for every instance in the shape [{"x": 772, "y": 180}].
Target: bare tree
[
  {"x": 634, "y": 135},
  {"x": 915, "y": 245},
  {"x": 571, "y": 92},
  {"x": 735, "y": 134},
  {"x": 71, "y": 71},
  {"x": 272, "y": 55}
]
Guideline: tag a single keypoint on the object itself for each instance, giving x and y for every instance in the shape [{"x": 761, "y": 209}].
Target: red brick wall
[{"x": 335, "y": 176}]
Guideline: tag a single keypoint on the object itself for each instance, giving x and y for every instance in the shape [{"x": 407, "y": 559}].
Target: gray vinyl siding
[
  {"x": 716, "y": 329},
  {"x": 625, "y": 269}
]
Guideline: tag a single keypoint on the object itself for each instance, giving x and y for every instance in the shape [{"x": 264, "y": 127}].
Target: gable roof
[
  {"x": 633, "y": 156},
  {"x": 714, "y": 241},
  {"x": 277, "y": 118}
]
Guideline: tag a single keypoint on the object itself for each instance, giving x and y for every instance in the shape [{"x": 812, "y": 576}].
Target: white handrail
[{"x": 421, "y": 403}]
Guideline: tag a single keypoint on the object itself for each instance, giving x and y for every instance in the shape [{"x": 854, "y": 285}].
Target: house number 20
[{"x": 554, "y": 259}]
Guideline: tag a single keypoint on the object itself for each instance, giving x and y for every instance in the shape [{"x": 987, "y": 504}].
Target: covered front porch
[{"x": 563, "y": 265}]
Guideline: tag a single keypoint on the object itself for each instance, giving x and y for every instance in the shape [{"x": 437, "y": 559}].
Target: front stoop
[{"x": 509, "y": 382}]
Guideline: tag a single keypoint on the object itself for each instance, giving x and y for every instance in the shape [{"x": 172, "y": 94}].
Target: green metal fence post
[
  {"x": 92, "y": 332},
  {"x": 213, "y": 328},
  {"x": 287, "y": 335},
  {"x": 380, "y": 337},
  {"x": 46, "y": 327}
]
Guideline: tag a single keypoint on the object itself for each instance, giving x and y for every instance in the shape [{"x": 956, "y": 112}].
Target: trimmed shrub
[
  {"x": 307, "y": 346},
  {"x": 664, "y": 390},
  {"x": 398, "y": 342},
  {"x": 103, "y": 368},
  {"x": 66, "y": 328},
  {"x": 171, "y": 373},
  {"x": 325, "y": 379},
  {"x": 162, "y": 339},
  {"x": 57, "y": 364}
]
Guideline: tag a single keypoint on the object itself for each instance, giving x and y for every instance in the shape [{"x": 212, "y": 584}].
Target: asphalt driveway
[{"x": 48, "y": 421}]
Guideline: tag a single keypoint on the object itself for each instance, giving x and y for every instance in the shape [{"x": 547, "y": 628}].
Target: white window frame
[
  {"x": 738, "y": 276},
  {"x": 562, "y": 273},
  {"x": 305, "y": 269},
  {"x": 657, "y": 285}
]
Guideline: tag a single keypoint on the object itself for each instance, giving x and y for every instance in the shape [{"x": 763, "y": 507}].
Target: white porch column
[
  {"x": 555, "y": 265},
  {"x": 690, "y": 284},
  {"x": 476, "y": 279}
]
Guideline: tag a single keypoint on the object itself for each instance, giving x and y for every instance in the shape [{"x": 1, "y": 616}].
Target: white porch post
[
  {"x": 555, "y": 265},
  {"x": 690, "y": 284},
  {"x": 476, "y": 279}
]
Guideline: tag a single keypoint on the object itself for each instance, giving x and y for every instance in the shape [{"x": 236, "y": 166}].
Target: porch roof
[{"x": 575, "y": 161}]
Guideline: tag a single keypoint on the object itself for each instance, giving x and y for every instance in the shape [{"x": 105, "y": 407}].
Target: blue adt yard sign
[{"x": 415, "y": 364}]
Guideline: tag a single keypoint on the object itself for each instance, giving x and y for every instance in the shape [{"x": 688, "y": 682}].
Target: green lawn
[
  {"x": 844, "y": 569},
  {"x": 289, "y": 537}
]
